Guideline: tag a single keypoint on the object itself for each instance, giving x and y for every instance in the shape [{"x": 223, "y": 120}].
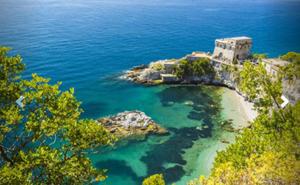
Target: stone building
[
  {"x": 291, "y": 89},
  {"x": 272, "y": 65},
  {"x": 231, "y": 50}
]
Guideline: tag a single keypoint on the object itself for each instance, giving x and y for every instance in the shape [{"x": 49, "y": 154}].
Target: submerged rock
[
  {"x": 132, "y": 125},
  {"x": 225, "y": 141},
  {"x": 227, "y": 125},
  {"x": 190, "y": 103}
]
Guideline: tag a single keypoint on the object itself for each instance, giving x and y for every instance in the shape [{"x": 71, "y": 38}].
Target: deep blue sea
[{"x": 87, "y": 44}]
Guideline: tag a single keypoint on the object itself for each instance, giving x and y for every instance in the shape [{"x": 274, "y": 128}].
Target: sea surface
[{"x": 87, "y": 44}]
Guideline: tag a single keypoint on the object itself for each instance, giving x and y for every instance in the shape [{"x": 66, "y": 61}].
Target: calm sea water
[{"x": 88, "y": 43}]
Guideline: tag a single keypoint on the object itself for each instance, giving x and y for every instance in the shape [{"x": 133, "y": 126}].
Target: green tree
[
  {"x": 44, "y": 141},
  {"x": 156, "y": 179},
  {"x": 268, "y": 151},
  {"x": 292, "y": 71},
  {"x": 259, "y": 86},
  {"x": 268, "y": 168},
  {"x": 259, "y": 56},
  {"x": 291, "y": 57},
  {"x": 198, "y": 67}
]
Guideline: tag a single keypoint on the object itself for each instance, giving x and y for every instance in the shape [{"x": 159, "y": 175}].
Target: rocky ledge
[
  {"x": 162, "y": 72},
  {"x": 132, "y": 125},
  {"x": 155, "y": 73}
]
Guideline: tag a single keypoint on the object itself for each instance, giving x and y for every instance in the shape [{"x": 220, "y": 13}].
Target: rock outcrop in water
[
  {"x": 131, "y": 125},
  {"x": 155, "y": 73},
  {"x": 162, "y": 72}
]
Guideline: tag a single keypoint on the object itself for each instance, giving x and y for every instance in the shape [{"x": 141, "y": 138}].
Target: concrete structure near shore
[
  {"x": 273, "y": 65},
  {"x": 232, "y": 50},
  {"x": 228, "y": 52}
]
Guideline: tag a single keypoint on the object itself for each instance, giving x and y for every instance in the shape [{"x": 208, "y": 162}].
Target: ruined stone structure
[
  {"x": 291, "y": 89},
  {"x": 232, "y": 50},
  {"x": 272, "y": 65}
]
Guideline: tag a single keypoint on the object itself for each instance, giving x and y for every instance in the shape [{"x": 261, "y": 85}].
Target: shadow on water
[
  {"x": 119, "y": 168},
  {"x": 91, "y": 109},
  {"x": 167, "y": 157},
  {"x": 205, "y": 102}
]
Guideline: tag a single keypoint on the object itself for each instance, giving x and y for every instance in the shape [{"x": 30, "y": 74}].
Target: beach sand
[
  {"x": 201, "y": 156},
  {"x": 235, "y": 107}
]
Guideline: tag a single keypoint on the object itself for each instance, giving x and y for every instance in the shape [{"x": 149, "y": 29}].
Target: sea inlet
[{"x": 192, "y": 114}]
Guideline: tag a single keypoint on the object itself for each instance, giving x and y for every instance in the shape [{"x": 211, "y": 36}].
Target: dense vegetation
[
  {"x": 267, "y": 152},
  {"x": 156, "y": 179},
  {"x": 43, "y": 140},
  {"x": 198, "y": 67},
  {"x": 293, "y": 70}
]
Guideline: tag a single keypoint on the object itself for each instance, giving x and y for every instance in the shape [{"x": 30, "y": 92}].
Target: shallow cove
[
  {"x": 82, "y": 42},
  {"x": 184, "y": 154}
]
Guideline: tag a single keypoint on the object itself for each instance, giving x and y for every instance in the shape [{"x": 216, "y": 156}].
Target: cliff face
[
  {"x": 225, "y": 75},
  {"x": 291, "y": 90}
]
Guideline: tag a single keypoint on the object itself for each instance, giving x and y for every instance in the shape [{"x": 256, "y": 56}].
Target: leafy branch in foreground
[
  {"x": 156, "y": 179},
  {"x": 44, "y": 142}
]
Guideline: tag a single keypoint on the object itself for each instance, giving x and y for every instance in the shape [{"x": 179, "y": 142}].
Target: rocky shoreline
[
  {"x": 131, "y": 125},
  {"x": 162, "y": 72}
]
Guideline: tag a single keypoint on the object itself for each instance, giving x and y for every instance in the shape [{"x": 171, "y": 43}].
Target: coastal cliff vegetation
[
  {"x": 199, "y": 67},
  {"x": 43, "y": 140},
  {"x": 268, "y": 151}
]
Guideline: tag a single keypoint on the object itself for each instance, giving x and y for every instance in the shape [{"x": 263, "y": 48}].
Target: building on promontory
[
  {"x": 273, "y": 65},
  {"x": 232, "y": 50}
]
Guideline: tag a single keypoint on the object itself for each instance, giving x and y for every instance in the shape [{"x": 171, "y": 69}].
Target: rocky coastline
[
  {"x": 131, "y": 125},
  {"x": 162, "y": 72}
]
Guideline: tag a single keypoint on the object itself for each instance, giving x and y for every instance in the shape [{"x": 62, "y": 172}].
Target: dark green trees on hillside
[
  {"x": 267, "y": 152},
  {"x": 199, "y": 67},
  {"x": 42, "y": 139},
  {"x": 293, "y": 70}
]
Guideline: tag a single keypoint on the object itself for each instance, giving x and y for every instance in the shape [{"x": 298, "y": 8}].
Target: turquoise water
[
  {"x": 88, "y": 43},
  {"x": 178, "y": 108}
]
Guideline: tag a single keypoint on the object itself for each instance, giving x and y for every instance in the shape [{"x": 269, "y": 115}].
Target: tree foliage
[
  {"x": 259, "y": 86},
  {"x": 268, "y": 168},
  {"x": 259, "y": 56},
  {"x": 156, "y": 179},
  {"x": 268, "y": 151},
  {"x": 44, "y": 142},
  {"x": 194, "y": 68},
  {"x": 292, "y": 71}
]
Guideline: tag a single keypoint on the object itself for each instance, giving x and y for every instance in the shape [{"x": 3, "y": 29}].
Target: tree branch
[{"x": 4, "y": 155}]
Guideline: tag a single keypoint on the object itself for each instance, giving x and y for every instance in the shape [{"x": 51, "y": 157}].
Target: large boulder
[
  {"x": 131, "y": 124},
  {"x": 149, "y": 74}
]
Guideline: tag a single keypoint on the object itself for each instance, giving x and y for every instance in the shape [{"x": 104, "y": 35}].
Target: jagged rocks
[
  {"x": 152, "y": 73},
  {"x": 131, "y": 124}
]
